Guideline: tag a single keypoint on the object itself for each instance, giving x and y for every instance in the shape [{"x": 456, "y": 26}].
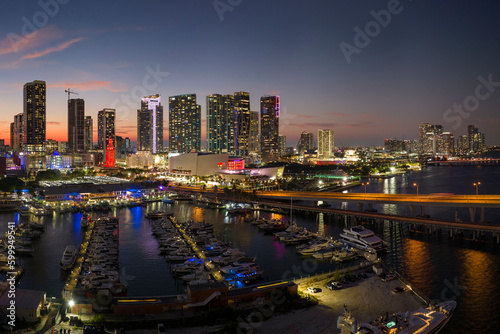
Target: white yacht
[
  {"x": 423, "y": 321},
  {"x": 362, "y": 238},
  {"x": 69, "y": 257}
]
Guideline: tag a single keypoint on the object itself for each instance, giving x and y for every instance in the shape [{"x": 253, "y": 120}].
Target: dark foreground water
[{"x": 441, "y": 267}]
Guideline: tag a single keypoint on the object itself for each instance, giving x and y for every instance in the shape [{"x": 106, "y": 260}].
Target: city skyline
[{"x": 362, "y": 86}]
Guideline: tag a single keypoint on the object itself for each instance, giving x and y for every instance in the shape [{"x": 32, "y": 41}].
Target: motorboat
[
  {"x": 362, "y": 238},
  {"x": 313, "y": 247},
  {"x": 428, "y": 320},
  {"x": 68, "y": 257},
  {"x": 155, "y": 215}
]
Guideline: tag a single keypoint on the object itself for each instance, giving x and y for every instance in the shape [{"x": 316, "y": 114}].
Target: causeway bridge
[{"x": 473, "y": 202}]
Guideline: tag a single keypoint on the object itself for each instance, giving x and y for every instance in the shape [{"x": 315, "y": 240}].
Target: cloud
[
  {"x": 57, "y": 48},
  {"x": 54, "y": 123},
  {"x": 338, "y": 114},
  {"x": 86, "y": 85},
  {"x": 14, "y": 43},
  {"x": 300, "y": 116}
]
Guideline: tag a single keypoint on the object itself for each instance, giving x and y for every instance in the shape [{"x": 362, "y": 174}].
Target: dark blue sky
[{"x": 426, "y": 59}]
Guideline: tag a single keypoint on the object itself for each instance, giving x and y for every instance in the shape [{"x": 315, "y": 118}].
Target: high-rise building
[
  {"x": 184, "y": 124},
  {"x": 106, "y": 135},
  {"x": 150, "y": 124},
  {"x": 128, "y": 147},
  {"x": 253, "y": 142},
  {"x": 476, "y": 139},
  {"x": 269, "y": 127},
  {"x": 282, "y": 145},
  {"x": 243, "y": 120},
  {"x": 326, "y": 143},
  {"x": 34, "y": 116},
  {"x": 428, "y": 137},
  {"x": 221, "y": 124},
  {"x": 462, "y": 145},
  {"x": 76, "y": 125},
  {"x": 17, "y": 133},
  {"x": 446, "y": 144},
  {"x": 306, "y": 142},
  {"x": 88, "y": 133}
]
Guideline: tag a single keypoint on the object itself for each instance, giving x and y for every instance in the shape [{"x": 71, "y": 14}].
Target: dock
[
  {"x": 198, "y": 252},
  {"x": 72, "y": 281}
]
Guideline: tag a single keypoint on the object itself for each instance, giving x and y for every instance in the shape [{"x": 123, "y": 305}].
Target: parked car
[
  {"x": 334, "y": 285},
  {"x": 388, "y": 278},
  {"x": 398, "y": 289},
  {"x": 313, "y": 290}
]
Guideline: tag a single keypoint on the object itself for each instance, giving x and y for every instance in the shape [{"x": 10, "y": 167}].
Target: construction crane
[{"x": 70, "y": 92}]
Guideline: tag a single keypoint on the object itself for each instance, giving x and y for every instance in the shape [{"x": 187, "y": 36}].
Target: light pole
[
  {"x": 365, "y": 184},
  {"x": 477, "y": 187},
  {"x": 416, "y": 185}
]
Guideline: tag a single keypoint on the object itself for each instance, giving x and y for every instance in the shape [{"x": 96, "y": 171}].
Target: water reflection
[{"x": 418, "y": 264}]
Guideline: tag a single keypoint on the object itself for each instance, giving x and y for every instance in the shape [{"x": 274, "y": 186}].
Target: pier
[
  {"x": 72, "y": 281},
  {"x": 198, "y": 252}
]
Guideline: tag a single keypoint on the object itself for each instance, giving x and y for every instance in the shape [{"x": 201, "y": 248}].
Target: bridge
[
  {"x": 473, "y": 202},
  {"x": 466, "y": 162}
]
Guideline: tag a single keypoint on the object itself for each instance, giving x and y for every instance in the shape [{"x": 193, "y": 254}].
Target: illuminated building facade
[
  {"x": 253, "y": 143},
  {"x": 150, "y": 124},
  {"x": 221, "y": 124},
  {"x": 88, "y": 133},
  {"x": 306, "y": 142},
  {"x": 76, "y": 125},
  {"x": 184, "y": 124},
  {"x": 243, "y": 120},
  {"x": 269, "y": 127},
  {"x": 34, "y": 116},
  {"x": 326, "y": 143},
  {"x": 17, "y": 133},
  {"x": 106, "y": 135}
]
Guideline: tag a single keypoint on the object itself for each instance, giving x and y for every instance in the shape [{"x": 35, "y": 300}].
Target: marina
[{"x": 412, "y": 253}]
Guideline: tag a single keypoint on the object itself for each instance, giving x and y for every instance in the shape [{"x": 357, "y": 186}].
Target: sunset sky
[{"x": 411, "y": 66}]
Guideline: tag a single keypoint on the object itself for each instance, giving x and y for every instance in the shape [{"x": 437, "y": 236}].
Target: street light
[
  {"x": 365, "y": 184},
  {"x": 477, "y": 187},
  {"x": 416, "y": 185}
]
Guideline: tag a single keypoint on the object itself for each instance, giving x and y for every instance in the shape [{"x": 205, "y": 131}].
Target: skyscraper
[
  {"x": 282, "y": 145},
  {"x": 253, "y": 143},
  {"x": 220, "y": 124},
  {"x": 269, "y": 127},
  {"x": 428, "y": 134},
  {"x": 106, "y": 135},
  {"x": 243, "y": 120},
  {"x": 76, "y": 125},
  {"x": 34, "y": 116},
  {"x": 476, "y": 139},
  {"x": 88, "y": 133},
  {"x": 184, "y": 124},
  {"x": 150, "y": 124},
  {"x": 306, "y": 142},
  {"x": 326, "y": 143},
  {"x": 17, "y": 133}
]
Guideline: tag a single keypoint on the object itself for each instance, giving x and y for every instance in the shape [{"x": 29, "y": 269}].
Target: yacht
[
  {"x": 362, "y": 238},
  {"x": 69, "y": 257},
  {"x": 423, "y": 321}
]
